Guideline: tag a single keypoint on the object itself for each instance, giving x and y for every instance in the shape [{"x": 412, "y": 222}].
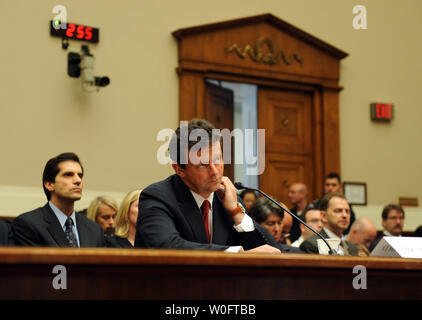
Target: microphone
[{"x": 240, "y": 186}]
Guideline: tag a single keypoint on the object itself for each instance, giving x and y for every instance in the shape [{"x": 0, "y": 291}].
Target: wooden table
[{"x": 27, "y": 273}]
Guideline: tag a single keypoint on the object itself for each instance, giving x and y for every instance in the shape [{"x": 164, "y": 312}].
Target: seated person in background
[
  {"x": 362, "y": 250},
  {"x": 248, "y": 197},
  {"x": 332, "y": 184},
  {"x": 57, "y": 224},
  {"x": 103, "y": 210},
  {"x": 185, "y": 211},
  {"x": 6, "y": 238},
  {"x": 335, "y": 214},
  {"x": 287, "y": 226},
  {"x": 392, "y": 221},
  {"x": 298, "y": 197},
  {"x": 363, "y": 232},
  {"x": 270, "y": 216},
  {"x": 124, "y": 236},
  {"x": 312, "y": 218}
]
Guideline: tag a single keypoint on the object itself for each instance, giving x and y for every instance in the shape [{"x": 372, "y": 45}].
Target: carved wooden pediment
[{"x": 261, "y": 44}]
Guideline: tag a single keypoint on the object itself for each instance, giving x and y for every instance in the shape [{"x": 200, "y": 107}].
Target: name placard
[{"x": 404, "y": 247}]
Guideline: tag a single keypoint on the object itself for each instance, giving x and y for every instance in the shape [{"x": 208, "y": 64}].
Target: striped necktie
[
  {"x": 70, "y": 235},
  {"x": 205, "y": 209}
]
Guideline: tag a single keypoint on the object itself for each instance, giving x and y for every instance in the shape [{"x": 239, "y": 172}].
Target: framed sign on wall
[{"x": 355, "y": 192}]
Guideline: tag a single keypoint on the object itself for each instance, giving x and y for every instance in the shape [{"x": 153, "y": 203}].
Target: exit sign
[{"x": 381, "y": 111}]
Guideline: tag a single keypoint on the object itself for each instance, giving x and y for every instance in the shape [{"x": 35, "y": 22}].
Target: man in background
[
  {"x": 57, "y": 224},
  {"x": 362, "y": 233},
  {"x": 298, "y": 197},
  {"x": 332, "y": 183},
  {"x": 335, "y": 214},
  {"x": 392, "y": 221},
  {"x": 312, "y": 217}
]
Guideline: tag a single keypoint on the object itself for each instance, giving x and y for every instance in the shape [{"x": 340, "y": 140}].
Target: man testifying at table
[
  {"x": 185, "y": 212},
  {"x": 335, "y": 214},
  {"x": 57, "y": 224}
]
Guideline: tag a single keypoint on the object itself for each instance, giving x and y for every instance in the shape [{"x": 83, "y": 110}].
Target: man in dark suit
[
  {"x": 6, "y": 238},
  {"x": 332, "y": 183},
  {"x": 335, "y": 214},
  {"x": 57, "y": 224},
  {"x": 185, "y": 211}
]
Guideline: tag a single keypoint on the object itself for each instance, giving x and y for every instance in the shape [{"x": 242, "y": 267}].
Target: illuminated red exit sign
[{"x": 381, "y": 111}]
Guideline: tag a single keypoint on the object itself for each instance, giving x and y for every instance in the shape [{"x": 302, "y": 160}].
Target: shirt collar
[
  {"x": 61, "y": 216},
  {"x": 386, "y": 233},
  {"x": 199, "y": 199}
]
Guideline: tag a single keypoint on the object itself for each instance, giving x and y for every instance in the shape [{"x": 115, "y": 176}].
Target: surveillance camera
[
  {"x": 83, "y": 64},
  {"x": 87, "y": 66},
  {"x": 102, "y": 81}
]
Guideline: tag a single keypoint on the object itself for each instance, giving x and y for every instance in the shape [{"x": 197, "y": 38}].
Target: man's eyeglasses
[{"x": 395, "y": 218}]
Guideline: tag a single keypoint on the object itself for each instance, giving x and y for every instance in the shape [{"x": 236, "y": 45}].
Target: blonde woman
[
  {"x": 103, "y": 210},
  {"x": 124, "y": 236}
]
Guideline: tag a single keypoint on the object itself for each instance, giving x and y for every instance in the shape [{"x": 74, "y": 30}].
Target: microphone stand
[{"x": 240, "y": 186}]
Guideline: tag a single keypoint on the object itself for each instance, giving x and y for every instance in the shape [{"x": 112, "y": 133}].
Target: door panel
[
  {"x": 281, "y": 171},
  {"x": 219, "y": 111},
  {"x": 286, "y": 117}
]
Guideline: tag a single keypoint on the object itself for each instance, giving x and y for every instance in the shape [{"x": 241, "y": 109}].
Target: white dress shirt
[
  {"x": 62, "y": 219},
  {"x": 332, "y": 235}
]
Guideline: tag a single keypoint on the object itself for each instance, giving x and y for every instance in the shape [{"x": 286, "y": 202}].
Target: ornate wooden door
[{"x": 286, "y": 117}]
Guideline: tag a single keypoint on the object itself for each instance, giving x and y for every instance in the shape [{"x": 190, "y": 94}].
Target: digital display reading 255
[{"x": 75, "y": 32}]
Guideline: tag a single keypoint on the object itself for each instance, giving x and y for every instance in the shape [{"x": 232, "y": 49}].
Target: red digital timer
[
  {"x": 75, "y": 31},
  {"x": 381, "y": 111}
]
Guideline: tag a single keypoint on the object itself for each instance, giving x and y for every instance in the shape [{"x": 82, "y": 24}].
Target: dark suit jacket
[
  {"x": 41, "y": 227},
  {"x": 375, "y": 242},
  {"x": 6, "y": 238},
  {"x": 169, "y": 217},
  {"x": 117, "y": 242},
  {"x": 288, "y": 249},
  {"x": 310, "y": 245}
]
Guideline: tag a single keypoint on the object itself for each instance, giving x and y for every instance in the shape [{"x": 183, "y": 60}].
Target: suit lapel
[
  {"x": 83, "y": 231},
  {"x": 324, "y": 234},
  {"x": 54, "y": 227},
  {"x": 190, "y": 211},
  {"x": 314, "y": 238}
]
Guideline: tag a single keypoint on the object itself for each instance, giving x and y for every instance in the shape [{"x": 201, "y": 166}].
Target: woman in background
[
  {"x": 103, "y": 210},
  {"x": 270, "y": 216},
  {"x": 248, "y": 198},
  {"x": 124, "y": 236}
]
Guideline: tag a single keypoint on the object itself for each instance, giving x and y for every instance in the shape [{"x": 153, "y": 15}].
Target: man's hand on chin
[{"x": 230, "y": 194}]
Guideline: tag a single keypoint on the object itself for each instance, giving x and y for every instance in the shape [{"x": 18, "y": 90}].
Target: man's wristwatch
[{"x": 237, "y": 210}]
